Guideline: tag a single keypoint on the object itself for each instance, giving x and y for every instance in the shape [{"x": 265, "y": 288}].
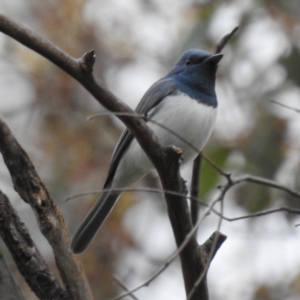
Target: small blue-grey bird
[{"x": 184, "y": 101}]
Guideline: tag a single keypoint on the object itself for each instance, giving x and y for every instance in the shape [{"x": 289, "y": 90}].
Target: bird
[{"x": 185, "y": 101}]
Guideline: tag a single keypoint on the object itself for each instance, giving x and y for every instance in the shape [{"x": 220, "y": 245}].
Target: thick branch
[
  {"x": 81, "y": 70},
  {"x": 206, "y": 253},
  {"x": 179, "y": 215},
  {"x": 32, "y": 190},
  {"x": 210, "y": 247},
  {"x": 27, "y": 257}
]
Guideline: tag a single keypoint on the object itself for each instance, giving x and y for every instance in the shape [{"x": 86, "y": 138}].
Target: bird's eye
[{"x": 188, "y": 62}]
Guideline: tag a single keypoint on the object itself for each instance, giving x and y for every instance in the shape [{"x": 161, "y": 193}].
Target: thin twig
[
  {"x": 148, "y": 119},
  {"x": 286, "y": 106},
  {"x": 222, "y": 43},
  {"x": 122, "y": 285},
  {"x": 233, "y": 182},
  {"x": 266, "y": 182},
  {"x": 216, "y": 167},
  {"x": 264, "y": 213}
]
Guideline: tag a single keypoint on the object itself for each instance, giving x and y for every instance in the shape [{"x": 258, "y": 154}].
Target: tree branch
[
  {"x": 165, "y": 159},
  {"x": 297, "y": 110},
  {"x": 125, "y": 288},
  {"x": 32, "y": 190},
  {"x": 81, "y": 70},
  {"x": 265, "y": 182},
  {"x": 225, "y": 39},
  {"x": 26, "y": 255}
]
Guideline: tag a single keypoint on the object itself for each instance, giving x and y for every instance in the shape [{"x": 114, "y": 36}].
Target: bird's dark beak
[{"x": 214, "y": 59}]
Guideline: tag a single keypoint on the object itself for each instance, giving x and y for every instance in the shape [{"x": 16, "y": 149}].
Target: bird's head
[{"x": 197, "y": 69}]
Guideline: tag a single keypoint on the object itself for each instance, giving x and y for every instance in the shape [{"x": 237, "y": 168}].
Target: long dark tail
[{"x": 92, "y": 222}]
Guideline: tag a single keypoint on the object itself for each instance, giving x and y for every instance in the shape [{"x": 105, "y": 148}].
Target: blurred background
[{"x": 136, "y": 43}]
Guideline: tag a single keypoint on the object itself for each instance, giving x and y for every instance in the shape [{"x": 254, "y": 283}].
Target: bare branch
[
  {"x": 26, "y": 255},
  {"x": 212, "y": 245},
  {"x": 32, "y": 190},
  {"x": 265, "y": 182},
  {"x": 286, "y": 106},
  {"x": 225, "y": 39},
  {"x": 165, "y": 160},
  {"x": 206, "y": 253},
  {"x": 196, "y": 200},
  {"x": 125, "y": 288},
  {"x": 264, "y": 213},
  {"x": 230, "y": 183},
  {"x": 180, "y": 219},
  {"x": 87, "y": 61},
  {"x": 81, "y": 70}
]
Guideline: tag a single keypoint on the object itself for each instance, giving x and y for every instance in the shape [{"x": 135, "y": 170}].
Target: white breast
[{"x": 191, "y": 120}]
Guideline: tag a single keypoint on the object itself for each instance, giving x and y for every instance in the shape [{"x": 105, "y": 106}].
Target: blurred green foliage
[{"x": 209, "y": 175}]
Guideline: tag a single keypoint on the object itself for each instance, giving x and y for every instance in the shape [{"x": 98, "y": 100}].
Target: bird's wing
[{"x": 156, "y": 93}]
